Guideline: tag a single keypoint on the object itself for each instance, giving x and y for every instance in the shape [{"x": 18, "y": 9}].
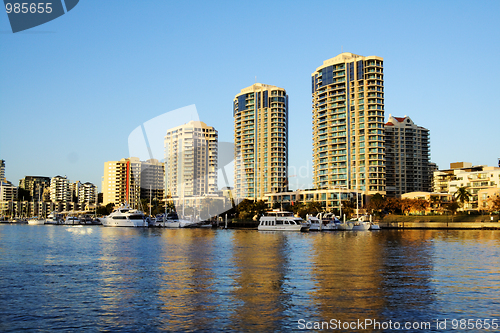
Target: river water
[{"x": 91, "y": 278}]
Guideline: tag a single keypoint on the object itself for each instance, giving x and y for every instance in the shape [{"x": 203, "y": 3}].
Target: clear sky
[{"x": 73, "y": 89}]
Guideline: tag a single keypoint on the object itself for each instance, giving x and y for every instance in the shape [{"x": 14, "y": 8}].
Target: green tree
[
  {"x": 376, "y": 204},
  {"x": 494, "y": 203},
  {"x": 452, "y": 206},
  {"x": 406, "y": 206},
  {"x": 311, "y": 208},
  {"x": 462, "y": 195},
  {"x": 105, "y": 210},
  {"x": 348, "y": 208},
  {"x": 435, "y": 202},
  {"x": 393, "y": 205}
]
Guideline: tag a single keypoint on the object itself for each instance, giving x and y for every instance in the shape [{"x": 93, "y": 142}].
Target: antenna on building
[
  {"x": 341, "y": 48},
  {"x": 255, "y": 78}
]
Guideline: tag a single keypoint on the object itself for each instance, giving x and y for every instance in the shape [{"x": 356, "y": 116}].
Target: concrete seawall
[{"x": 439, "y": 225}]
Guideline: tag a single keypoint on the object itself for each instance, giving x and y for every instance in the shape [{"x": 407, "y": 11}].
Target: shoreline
[{"x": 440, "y": 225}]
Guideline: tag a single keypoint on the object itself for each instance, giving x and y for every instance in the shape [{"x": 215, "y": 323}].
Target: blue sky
[{"x": 73, "y": 89}]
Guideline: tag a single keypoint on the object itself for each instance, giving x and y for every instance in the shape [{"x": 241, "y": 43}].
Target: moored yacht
[
  {"x": 36, "y": 221},
  {"x": 125, "y": 216},
  {"x": 360, "y": 224},
  {"x": 315, "y": 224},
  {"x": 172, "y": 220},
  {"x": 282, "y": 221},
  {"x": 54, "y": 218},
  {"x": 71, "y": 219}
]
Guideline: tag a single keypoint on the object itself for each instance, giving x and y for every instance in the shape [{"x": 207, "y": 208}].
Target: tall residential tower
[
  {"x": 407, "y": 157},
  {"x": 348, "y": 124},
  {"x": 131, "y": 179},
  {"x": 191, "y": 160},
  {"x": 261, "y": 141}
]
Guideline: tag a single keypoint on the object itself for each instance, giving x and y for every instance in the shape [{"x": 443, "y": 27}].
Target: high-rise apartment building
[
  {"x": 122, "y": 181},
  {"x": 348, "y": 124},
  {"x": 2, "y": 170},
  {"x": 60, "y": 189},
  {"x": 87, "y": 193},
  {"x": 191, "y": 160},
  {"x": 407, "y": 157},
  {"x": 74, "y": 189},
  {"x": 261, "y": 141},
  {"x": 8, "y": 193},
  {"x": 152, "y": 179},
  {"x": 35, "y": 185}
]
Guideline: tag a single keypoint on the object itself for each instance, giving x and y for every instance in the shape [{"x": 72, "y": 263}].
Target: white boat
[
  {"x": 374, "y": 226},
  {"x": 314, "y": 223},
  {"x": 345, "y": 226},
  {"x": 282, "y": 221},
  {"x": 125, "y": 216},
  {"x": 54, "y": 218},
  {"x": 71, "y": 220},
  {"x": 330, "y": 222},
  {"x": 36, "y": 221},
  {"x": 360, "y": 224},
  {"x": 172, "y": 220}
]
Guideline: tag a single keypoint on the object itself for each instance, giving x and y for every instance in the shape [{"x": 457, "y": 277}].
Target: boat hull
[
  {"x": 36, "y": 222},
  {"x": 110, "y": 222},
  {"x": 361, "y": 226},
  {"x": 279, "y": 228},
  {"x": 344, "y": 226},
  {"x": 330, "y": 227}
]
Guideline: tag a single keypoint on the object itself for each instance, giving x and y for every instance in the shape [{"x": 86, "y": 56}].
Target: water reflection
[
  {"x": 347, "y": 276},
  {"x": 125, "y": 279}
]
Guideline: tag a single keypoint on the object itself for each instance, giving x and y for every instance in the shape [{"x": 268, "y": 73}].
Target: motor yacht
[
  {"x": 281, "y": 221},
  {"x": 125, "y": 216}
]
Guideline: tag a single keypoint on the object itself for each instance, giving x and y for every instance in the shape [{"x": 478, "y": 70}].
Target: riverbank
[
  {"x": 464, "y": 221},
  {"x": 440, "y": 225}
]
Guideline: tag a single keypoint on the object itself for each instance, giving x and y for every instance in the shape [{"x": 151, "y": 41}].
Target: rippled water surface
[{"x": 91, "y": 278}]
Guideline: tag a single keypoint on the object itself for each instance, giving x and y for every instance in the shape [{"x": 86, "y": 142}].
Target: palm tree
[{"x": 462, "y": 195}]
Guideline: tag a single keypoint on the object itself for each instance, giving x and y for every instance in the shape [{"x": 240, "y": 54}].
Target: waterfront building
[
  {"x": 329, "y": 199},
  {"x": 2, "y": 170},
  {"x": 407, "y": 157},
  {"x": 73, "y": 189},
  {"x": 152, "y": 179},
  {"x": 348, "y": 124},
  {"x": 59, "y": 189},
  {"x": 122, "y": 181},
  {"x": 481, "y": 182},
  {"x": 8, "y": 193},
  {"x": 437, "y": 201},
  {"x": 261, "y": 141},
  {"x": 87, "y": 193},
  {"x": 35, "y": 185},
  {"x": 191, "y": 160}
]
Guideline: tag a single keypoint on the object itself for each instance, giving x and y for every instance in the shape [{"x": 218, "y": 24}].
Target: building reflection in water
[
  {"x": 188, "y": 289},
  {"x": 261, "y": 261},
  {"x": 245, "y": 280}
]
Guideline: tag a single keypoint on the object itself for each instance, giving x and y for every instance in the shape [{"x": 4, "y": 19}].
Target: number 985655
[{"x": 24, "y": 8}]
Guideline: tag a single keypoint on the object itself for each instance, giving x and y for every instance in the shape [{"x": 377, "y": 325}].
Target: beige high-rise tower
[
  {"x": 261, "y": 141},
  {"x": 348, "y": 124},
  {"x": 191, "y": 160},
  {"x": 125, "y": 180}
]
